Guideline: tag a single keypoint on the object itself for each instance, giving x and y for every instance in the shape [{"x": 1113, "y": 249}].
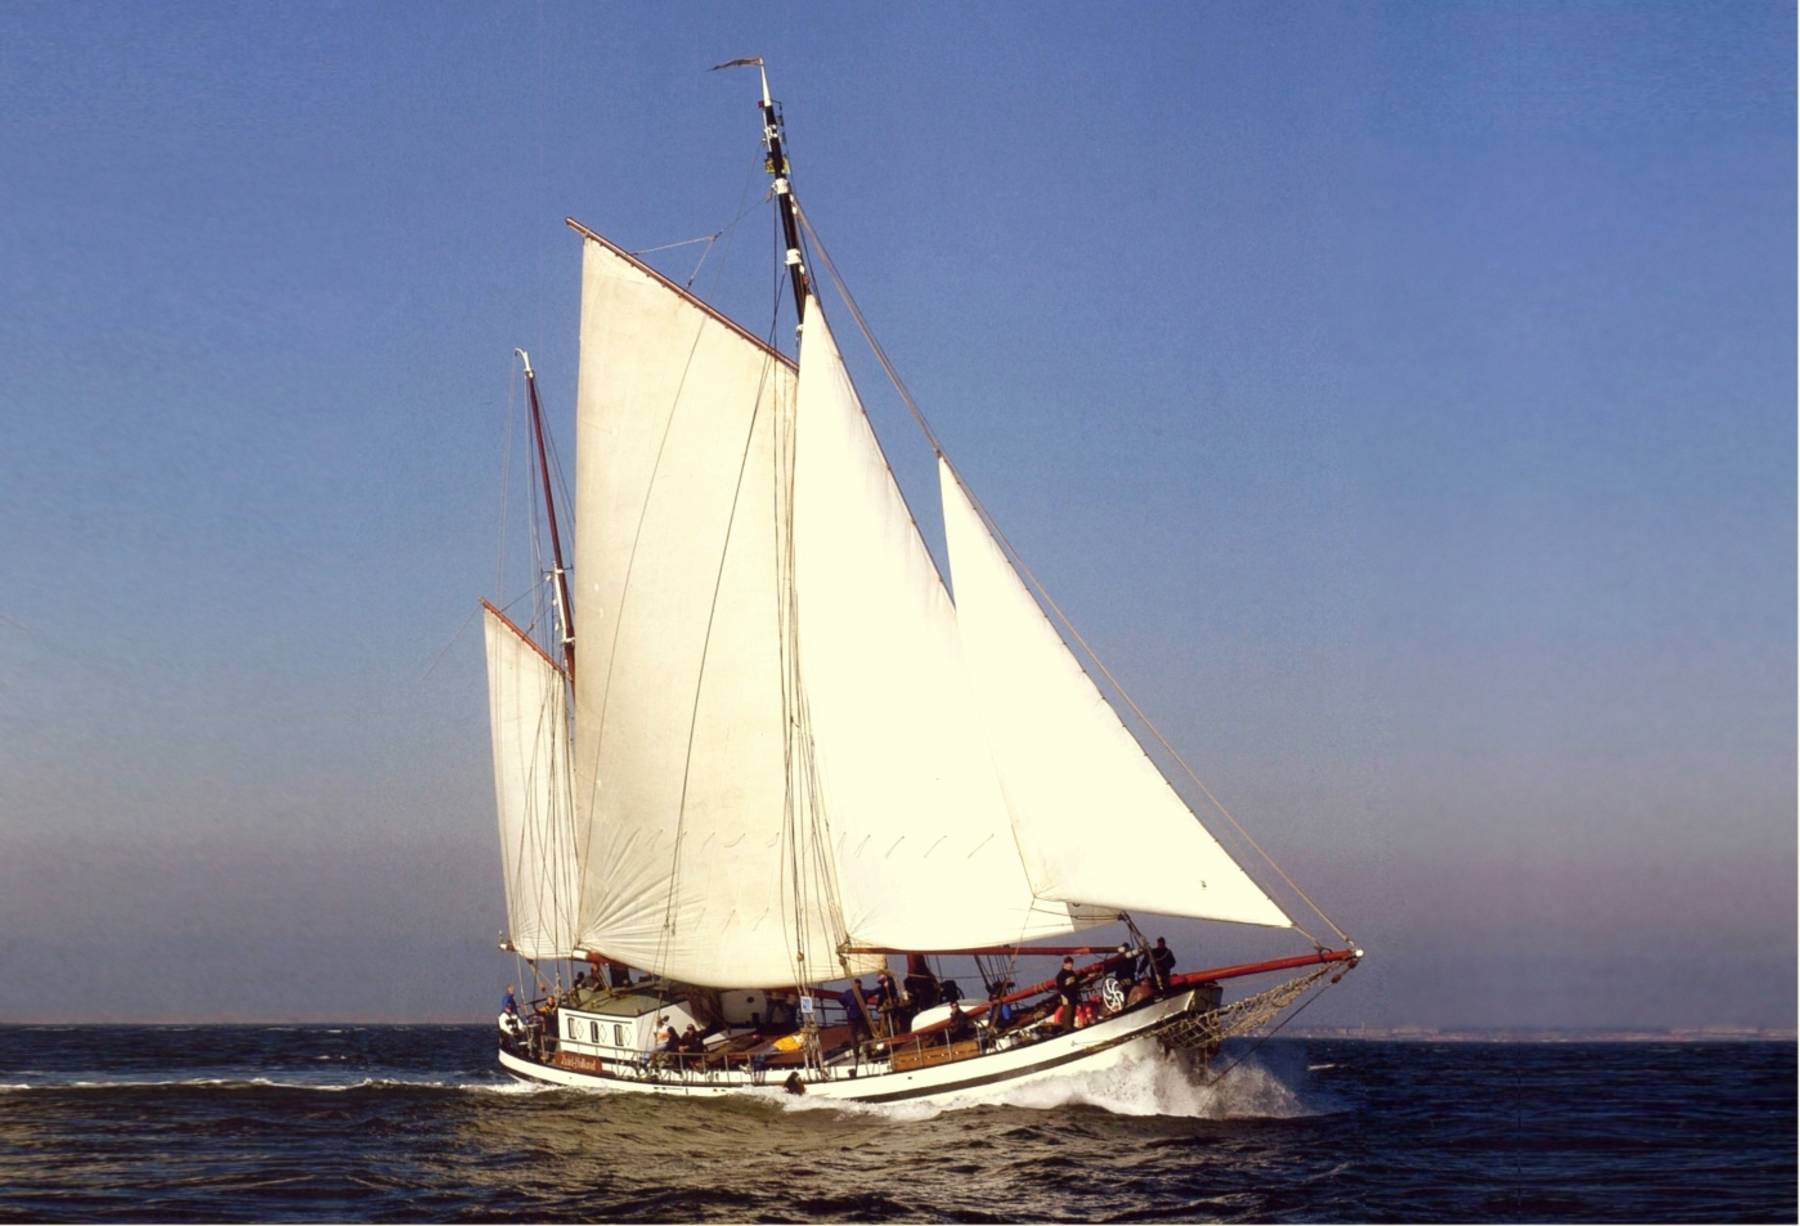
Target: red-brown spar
[{"x": 789, "y": 754}]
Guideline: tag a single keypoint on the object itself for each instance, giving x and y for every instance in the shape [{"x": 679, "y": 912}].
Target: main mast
[{"x": 777, "y": 166}]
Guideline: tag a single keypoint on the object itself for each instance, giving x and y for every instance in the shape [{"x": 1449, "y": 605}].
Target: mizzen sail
[{"x": 529, "y": 720}]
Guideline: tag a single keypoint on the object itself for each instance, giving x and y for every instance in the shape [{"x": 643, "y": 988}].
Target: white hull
[{"x": 1096, "y": 1046}]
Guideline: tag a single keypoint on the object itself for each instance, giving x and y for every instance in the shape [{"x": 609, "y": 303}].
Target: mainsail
[
  {"x": 921, "y": 836},
  {"x": 693, "y": 866},
  {"x": 528, "y": 717},
  {"x": 1097, "y": 822}
]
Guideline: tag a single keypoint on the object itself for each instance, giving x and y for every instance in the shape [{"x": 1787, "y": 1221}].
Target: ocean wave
[{"x": 1137, "y": 1083}]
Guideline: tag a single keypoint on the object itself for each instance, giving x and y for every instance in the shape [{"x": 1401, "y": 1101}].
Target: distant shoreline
[{"x": 1549, "y": 1034}]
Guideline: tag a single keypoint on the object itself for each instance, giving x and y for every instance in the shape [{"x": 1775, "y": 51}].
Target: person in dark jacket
[
  {"x": 855, "y": 1001},
  {"x": 1067, "y": 987},
  {"x": 1001, "y": 1015},
  {"x": 886, "y": 1002},
  {"x": 1162, "y": 962}
]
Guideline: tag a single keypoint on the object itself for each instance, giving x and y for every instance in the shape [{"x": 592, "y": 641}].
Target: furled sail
[
  {"x": 1096, "y": 821},
  {"x": 690, "y": 853},
  {"x": 922, "y": 839},
  {"x": 529, "y": 719}
]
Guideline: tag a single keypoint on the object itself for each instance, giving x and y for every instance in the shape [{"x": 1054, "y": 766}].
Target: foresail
[
  {"x": 1096, "y": 821},
  {"x": 529, "y": 720},
  {"x": 922, "y": 841},
  {"x": 681, "y": 751}
]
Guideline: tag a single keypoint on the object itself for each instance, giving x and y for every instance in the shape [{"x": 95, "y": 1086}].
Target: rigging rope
[
  {"x": 1257, "y": 1046},
  {"x": 709, "y": 239},
  {"x": 448, "y": 644},
  {"x": 1043, "y": 594},
  {"x": 686, "y": 242}
]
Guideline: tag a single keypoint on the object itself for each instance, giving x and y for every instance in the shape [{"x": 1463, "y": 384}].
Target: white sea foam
[
  {"x": 511, "y": 1087},
  {"x": 1141, "y": 1083}
]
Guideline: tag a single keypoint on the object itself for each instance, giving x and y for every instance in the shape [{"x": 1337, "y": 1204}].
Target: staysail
[
  {"x": 689, "y": 850},
  {"x": 919, "y": 829},
  {"x": 529, "y": 720},
  {"x": 1096, "y": 821}
]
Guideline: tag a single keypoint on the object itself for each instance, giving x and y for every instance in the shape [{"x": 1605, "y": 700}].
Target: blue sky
[{"x": 1400, "y": 397}]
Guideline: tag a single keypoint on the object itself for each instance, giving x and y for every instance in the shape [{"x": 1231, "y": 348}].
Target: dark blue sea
[{"x": 411, "y": 1123}]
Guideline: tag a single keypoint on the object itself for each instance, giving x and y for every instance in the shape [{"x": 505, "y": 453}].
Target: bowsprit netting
[{"x": 1202, "y": 1031}]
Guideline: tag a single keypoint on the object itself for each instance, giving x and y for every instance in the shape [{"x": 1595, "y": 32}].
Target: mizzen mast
[{"x": 564, "y": 614}]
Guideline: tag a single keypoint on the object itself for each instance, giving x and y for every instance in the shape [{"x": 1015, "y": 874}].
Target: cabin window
[
  {"x": 594, "y": 1030},
  {"x": 571, "y": 1028},
  {"x": 618, "y": 1035}
]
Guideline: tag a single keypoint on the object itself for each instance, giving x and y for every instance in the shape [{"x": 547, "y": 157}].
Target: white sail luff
[
  {"x": 922, "y": 839},
  {"x": 528, "y": 720},
  {"x": 1096, "y": 821}
]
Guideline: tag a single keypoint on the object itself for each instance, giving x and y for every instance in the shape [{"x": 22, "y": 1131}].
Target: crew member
[
  {"x": 888, "y": 1002},
  {"x": 1001, "y": 1014},
  {"x": 1066, "y": 981},
  {"x": 854, "y": 1005},
  {"x": 1162, "y": 962}
]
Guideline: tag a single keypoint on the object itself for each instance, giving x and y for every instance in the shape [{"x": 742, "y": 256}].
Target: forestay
[
  {"x": 923, "y": 843},
  {"x": 528, "y": 717},
  {"x": 1096, "y": 820}
]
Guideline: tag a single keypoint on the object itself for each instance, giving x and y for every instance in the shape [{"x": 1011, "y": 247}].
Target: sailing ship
[{"x": 764, "y": 750}]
